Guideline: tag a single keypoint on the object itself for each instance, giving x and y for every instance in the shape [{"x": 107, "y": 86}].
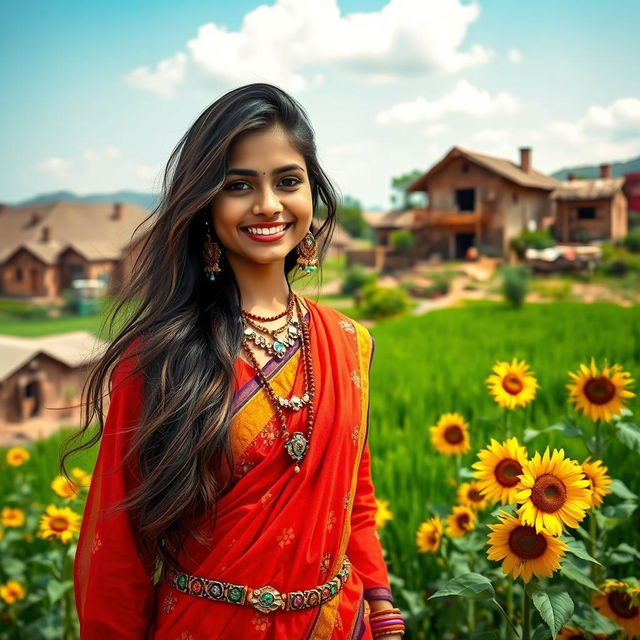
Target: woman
[{"x": 232, "y": 493}]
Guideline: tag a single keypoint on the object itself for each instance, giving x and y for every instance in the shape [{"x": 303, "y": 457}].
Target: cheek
[{"x": 226, "y": 215}]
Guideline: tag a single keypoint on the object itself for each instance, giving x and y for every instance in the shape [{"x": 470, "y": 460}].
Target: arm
[{"x": 112, "y": 577}]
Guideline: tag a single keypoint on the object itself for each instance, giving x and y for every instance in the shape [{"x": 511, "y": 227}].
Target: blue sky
[{"x": 96, "y": 95}]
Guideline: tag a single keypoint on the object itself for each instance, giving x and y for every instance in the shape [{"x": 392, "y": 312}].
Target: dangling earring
[
  {"x": 211, "y": 255},
  {"x": 308, "y": 253}
]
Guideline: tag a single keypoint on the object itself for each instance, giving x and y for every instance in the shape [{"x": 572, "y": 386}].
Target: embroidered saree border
[{"x": 325, "y": 622}]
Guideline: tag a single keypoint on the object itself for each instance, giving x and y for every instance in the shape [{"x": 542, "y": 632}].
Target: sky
[{"x": 95, "y": 95}]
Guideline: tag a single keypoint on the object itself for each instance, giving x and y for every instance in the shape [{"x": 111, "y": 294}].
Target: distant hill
[
  {"x": 147, "y": 201},
  {"x": 618, "y": 169}
]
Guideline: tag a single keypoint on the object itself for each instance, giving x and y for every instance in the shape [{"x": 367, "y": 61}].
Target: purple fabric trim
[
  {"x": 378, "y": 593},
  {"x": 359, "y": 627},
  {"x": 270, "y": 369},
  {"x": 386, "y": 623}
]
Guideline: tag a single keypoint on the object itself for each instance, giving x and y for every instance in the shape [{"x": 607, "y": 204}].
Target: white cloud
[
  {"x": 435, "y": 130},
  {"x": 514, "y": 56},
  {"x": 465, "y": 99},
  {"x": 281, "y": 42},
  {"x": 169, "y": 74},
  {"x": 55, "y": 166},
  {"x": 110, "y": 152},
  {"x": 492, "y": 135}
]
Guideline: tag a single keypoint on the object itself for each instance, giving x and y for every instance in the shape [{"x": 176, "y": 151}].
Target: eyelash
[{"x": 289, "y": 186}]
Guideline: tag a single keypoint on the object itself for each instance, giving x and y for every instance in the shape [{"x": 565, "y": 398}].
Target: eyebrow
[{"x": 251, "y": 172}]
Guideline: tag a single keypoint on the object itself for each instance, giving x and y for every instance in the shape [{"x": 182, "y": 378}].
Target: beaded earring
[
  {"x": 211, "y": 255},
  {"x": 307, "y": 253}
]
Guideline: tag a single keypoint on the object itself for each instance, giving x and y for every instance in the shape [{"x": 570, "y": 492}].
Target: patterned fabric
[{"x": 274, "y": 527}]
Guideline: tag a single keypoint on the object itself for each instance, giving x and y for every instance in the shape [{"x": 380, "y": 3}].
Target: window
[
  {"x": 466, "y": 199},
  {"x": 465, "y": 167},
  {"x": 514, "y": 198},
  {"x": 586, "y": 213},
  {"x": 19, "y": 274}
]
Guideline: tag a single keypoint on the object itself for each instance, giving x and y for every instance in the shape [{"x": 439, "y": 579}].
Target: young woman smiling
[{"x": 232, "y": 494}]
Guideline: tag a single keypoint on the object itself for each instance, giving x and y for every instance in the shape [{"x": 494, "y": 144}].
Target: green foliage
[
  {"x": 531, "y": 240},
  {"x": 619, "y": 261},
  {"x": 402, "y": 239},
  {"x": 349, "y": 216},
  {"x": 356, "y": 277},
  {"x": 400, "y": 199},
  {"x": 17, "y": 309},
  {"x": 515, "y": 282},
  {"x": 632, "y": 240},
  {"x": 382, "y": 302}
]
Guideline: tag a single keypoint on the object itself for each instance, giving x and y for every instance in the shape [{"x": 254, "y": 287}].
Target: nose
[{"x": 267, "y": 203}]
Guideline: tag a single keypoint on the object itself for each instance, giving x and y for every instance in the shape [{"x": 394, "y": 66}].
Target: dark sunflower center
[
  {"x": 512, "y": 384},
  {"x": 548, "y": 493},
  {"x": 525, "y": 543},
  {"x": 620, "y": 603},
  {"x": 507, "y": 472},
  {"x": 453, "y": 434},
  {"x": 58, "y": 523},
  {"x": 475, "y": 496},
  {"x": 463, "y": 521},
  {"x": 599, "y": 390},
  {"x": 577, "y": 636}
]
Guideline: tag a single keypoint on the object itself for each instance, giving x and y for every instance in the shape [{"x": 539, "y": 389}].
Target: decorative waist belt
[{"x": 265, "y": 599}]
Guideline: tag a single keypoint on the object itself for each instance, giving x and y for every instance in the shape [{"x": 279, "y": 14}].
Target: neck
[{"x": 264, "y": 288}]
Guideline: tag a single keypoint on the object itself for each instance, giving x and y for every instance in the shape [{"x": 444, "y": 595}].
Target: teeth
[{"x": 266, "y": 231}]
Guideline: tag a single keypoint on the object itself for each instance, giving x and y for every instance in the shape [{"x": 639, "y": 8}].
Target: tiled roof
[{"x": 588, "y": 189}]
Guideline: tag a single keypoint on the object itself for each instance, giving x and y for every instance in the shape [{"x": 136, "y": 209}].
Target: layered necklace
[{"x": 297, "y": 444}]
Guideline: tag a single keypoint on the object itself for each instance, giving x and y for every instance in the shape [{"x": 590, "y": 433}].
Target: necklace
[
  {"x": 276, "y": 346},
  {"x": 297, "y": 445}
]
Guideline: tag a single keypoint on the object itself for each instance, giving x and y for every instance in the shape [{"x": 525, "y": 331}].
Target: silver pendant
[{"x": 297, "y": 446}]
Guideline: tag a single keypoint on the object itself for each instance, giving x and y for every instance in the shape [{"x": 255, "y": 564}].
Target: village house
[
  {"x": 479, "y": 200},
  {"x": 591, "y": 210},
  {"x": 41, "y": 382},
  {"x": 44, "y": 247}
]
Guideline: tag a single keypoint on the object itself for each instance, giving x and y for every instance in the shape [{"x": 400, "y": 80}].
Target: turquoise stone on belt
[{"x": 278, "y": 346}]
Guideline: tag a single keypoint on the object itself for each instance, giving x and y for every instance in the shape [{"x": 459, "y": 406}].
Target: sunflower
[
  {"x": 382, "y": 514},
  {"x": 614, "y": 602},
  {"x": 12, "y": 517},
  {"x": 12, "y": 591},
  {"x": 65, "y": 488},
  {"x": 461, "y": 520},
  {"x": 512, "y": 385},
  {"x": 470, "y": 495},
  {"x": 553, "y": 492},
  {"x": 17, "y": 456},
  {"x": 523, "y": 551},
  {"x": 573, "y": 633},
  {"x": 81, "y": 477},
  {"x": 498, "y": 468},
  {"x": 599, "y": 395},
  {"x": 596, "y": 473},
  {"x": 59, "y": 523},
  {"x": 450, "y": 434},
  {"x": 429, "y": 535}
]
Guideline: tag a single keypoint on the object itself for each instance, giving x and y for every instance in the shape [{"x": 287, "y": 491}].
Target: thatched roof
[
  {"x": 588, "y": 189},
  {"x": 391, "y": 219}
]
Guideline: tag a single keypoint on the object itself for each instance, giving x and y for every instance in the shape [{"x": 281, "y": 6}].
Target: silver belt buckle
[{"x": 266, "y": 599}]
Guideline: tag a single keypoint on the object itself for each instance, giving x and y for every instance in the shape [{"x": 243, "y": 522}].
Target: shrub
[
  {"x": 515, "y": 282},
  {"x": 382, "y": 302},
  {"x": 632, "y": 240},
  {"x": 357, "y": 277},
  {"x": 402, "y": 239},
  {"x": 531, "y": 240}
]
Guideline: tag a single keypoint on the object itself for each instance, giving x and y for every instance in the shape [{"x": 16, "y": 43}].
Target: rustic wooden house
[
  {"x": 479, "y": 200},
  {"x": 384, "y": 224},
  {"x": 41, "y": 380},
  {"x": 591, "y": 210},
  {"x": 43, "y": 248}
]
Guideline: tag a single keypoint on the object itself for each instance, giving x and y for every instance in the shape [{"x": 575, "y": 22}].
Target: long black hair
[{"x": 190, "y": 326}]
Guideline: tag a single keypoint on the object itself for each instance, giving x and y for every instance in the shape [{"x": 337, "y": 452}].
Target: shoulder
[
  {"x": 127, "y": 368},
  {"x": 342, "y": 321}
]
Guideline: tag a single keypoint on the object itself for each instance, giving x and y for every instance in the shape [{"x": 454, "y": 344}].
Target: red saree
[{"x": 275, "y": 527}]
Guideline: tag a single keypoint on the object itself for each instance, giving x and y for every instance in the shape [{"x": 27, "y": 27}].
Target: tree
[
  {"x": 349, "y": 216},
  {"x": 402, "y": 200}
]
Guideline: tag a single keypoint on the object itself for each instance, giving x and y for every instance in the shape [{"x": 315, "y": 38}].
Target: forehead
[{"x": 264, "y": 149}]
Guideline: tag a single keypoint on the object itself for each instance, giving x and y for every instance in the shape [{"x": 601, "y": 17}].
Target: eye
[
  {"x": 232, "y": 186},
  {"x": 296, "y": 181}
]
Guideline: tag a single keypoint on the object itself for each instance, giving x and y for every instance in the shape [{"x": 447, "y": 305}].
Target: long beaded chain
[{"x": 297, "y": 445}]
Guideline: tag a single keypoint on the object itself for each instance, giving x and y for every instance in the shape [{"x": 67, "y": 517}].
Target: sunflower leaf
[
  {"x": 555, "y": 609},
  {"x": 621, "y": 490},
  {"x": 578, "y": 549},
  {"x": 569, "y": 570},
  {"x": 629, "y": 434},
  {"x": 467, "y": 585},
  {"x": 590, "y": 620}
]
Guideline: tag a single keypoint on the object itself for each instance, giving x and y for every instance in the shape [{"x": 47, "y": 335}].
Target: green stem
[
  {"x": 510, "y": 607},
  {"x": 457, "y": 471},
  {"x": 598, "y": 445},
  {"x": 507, "y": 423},
  {"x": 68, "y": 625},
  {"x": 526, "y": 616},
  {"x": 514, "y": 631},
  {"x": 593, "y": 525},
  {"x": 471, "y": 615}
]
